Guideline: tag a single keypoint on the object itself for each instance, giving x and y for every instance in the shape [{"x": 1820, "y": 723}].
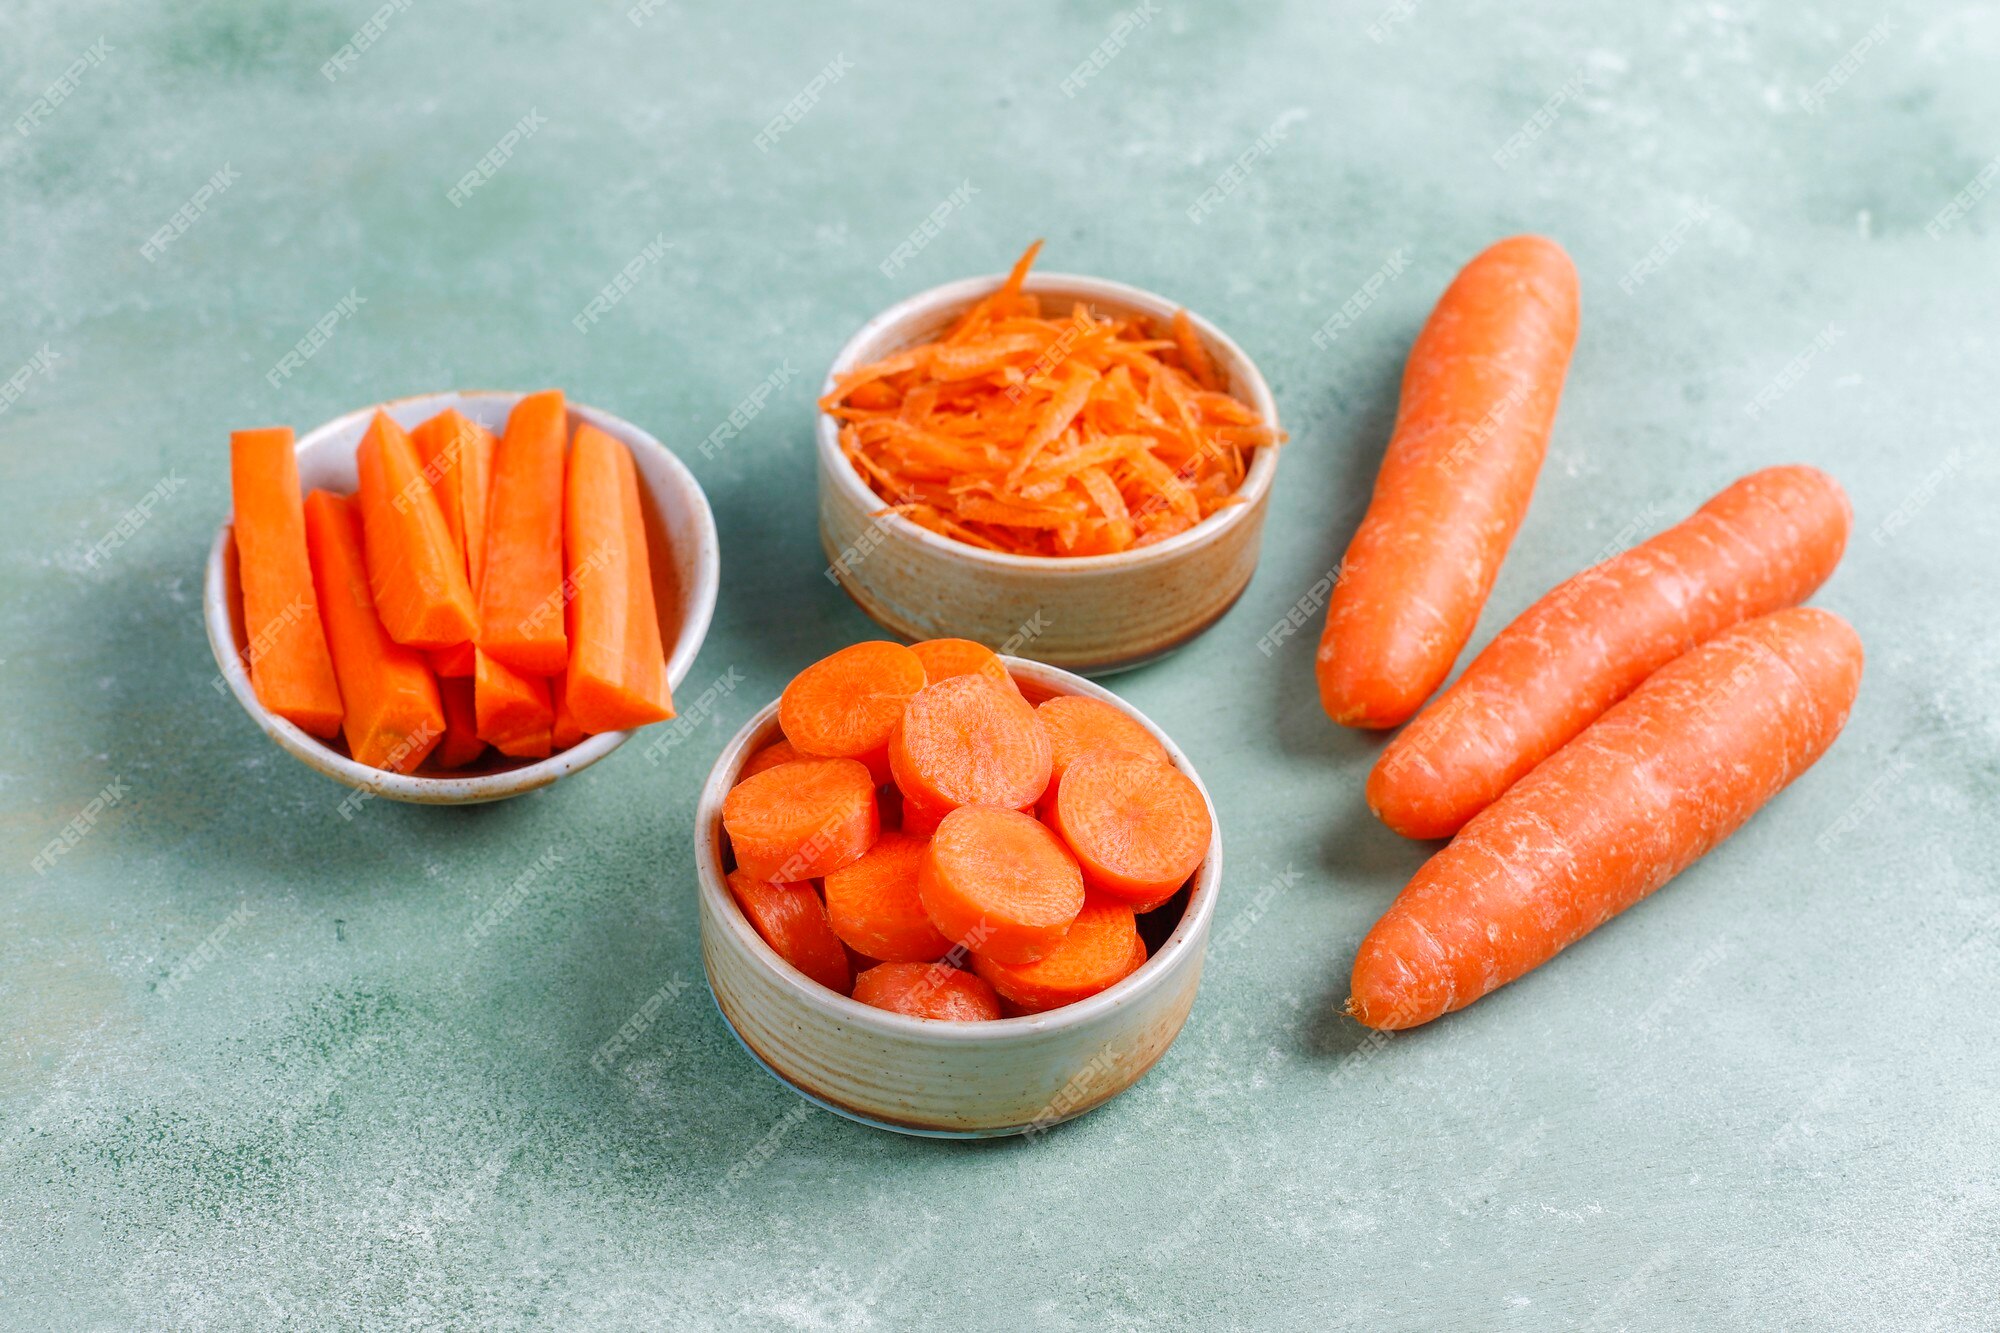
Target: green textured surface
[{"x": 1766, "y": 1097}]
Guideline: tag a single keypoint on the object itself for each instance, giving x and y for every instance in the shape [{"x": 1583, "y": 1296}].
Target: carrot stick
[
  {"x": 453, "y": 661},
  {"x": 1098, "y": 952},
  {"x": 1138, "y": 827},
  {"x": 438, "y": 442},
  {"x": 290, "y": 667},
  {"x": 777, "y": 752},
  {"x": 1479, "y": 395},
  {"x": 415, "y": 571},
  {"x": 803, "y": 820},
  {"x": 966, "y": 741},
  {"x": 1642, "y": 793},
  {"x": 999, "y": 882},
  {"x": 617, "y": 672},
  {"x": 847, "y": 705},
  {"x": 928, "y": 990},
  {"x": 465, "y": 484},
  {"x": 513, "y": 710},
  {"x": 793, "y": 922},
  {"x": 1762, "y": 545},
  {"x": 874, "y": 904},
  {"x": 461, "y": 744},
  {"x": 394, "y": 716},
  {"x": 521, "y": 589}
]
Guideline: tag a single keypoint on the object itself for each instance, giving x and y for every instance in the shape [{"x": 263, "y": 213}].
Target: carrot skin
[
  {"x": 290, "y": 666},
  {"x": 521, "y": 587},
  {"x": 1763, "y": 544},
  {"x": 1479, "y": 397},
  {"x": 394, "y": 714},
  {"x": 1649, "y": 788}
]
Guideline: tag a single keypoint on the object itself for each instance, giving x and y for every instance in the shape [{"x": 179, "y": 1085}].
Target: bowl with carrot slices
[
  {"x": 1060, "y": 465},
  {"x": 950, "y": 893},
  {"x": 459, "y": 597}
]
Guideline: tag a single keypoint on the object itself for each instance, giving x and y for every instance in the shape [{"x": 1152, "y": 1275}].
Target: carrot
[
  {"x": 919, "y": 819},
  {"x": 1000, "y": 883},
  {"x": 617, "y": 672},
  {"x": 461, "y": 743},
  {"x": 945, "y": 658},
  {"x": 792, "y": 920},
  {"x": 874, "y": 905},
  {"x": 1137, "y": 826},
  {"x": 847, "y": 705},
  {"x": 564, "y": 731},
  {"x": 1479, "y": 395},
  {"x": 512, "y": 710},
  {"x": 1099, "y": 951},
  {"x": 966, "y": 741},
  {"x": 290, "y": 667},
  {"x": 777, "y": 752},
  {"x": 521, "y": 587},
  {"x": 1642, "y": 793},
  {"x": 394, "y": 717},
  {"x": 1763, "y": 544},
  {"x": 414, "y": 570},
  {"x": 457, "y": 457},
  {"x": 1059, "y": 435},
  {"x": 1075, "y": 725},
  {"x": 928, "y": 991},
  {"x": 803, "y": 820}
]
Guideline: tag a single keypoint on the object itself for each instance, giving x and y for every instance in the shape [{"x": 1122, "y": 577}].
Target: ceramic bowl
[
  {"x": 1091, "y": 614},
  {"x": 678, "y": 522},
  {"x": 942, "y": 1079}
]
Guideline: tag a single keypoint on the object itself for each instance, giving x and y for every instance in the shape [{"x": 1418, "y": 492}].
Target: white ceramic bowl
[
  {"x": 933, "y": 1078},
  {"x": 1093, "y": 614},
  {"x": 678, "y": 513}
]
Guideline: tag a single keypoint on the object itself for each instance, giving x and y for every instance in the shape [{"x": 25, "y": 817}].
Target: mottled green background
[{"x": 1767, "y": 1097}]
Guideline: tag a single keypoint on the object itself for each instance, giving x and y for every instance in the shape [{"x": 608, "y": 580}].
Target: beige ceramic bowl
[
  {"x": 1093, "y": 614},
  {"x": 941, "y": 1079},
  {"x": 687, "y": 566}
]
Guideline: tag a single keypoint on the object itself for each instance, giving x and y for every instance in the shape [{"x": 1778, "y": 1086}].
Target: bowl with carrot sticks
[
  {"x": 458, "y": 597},
  {"x": 950, "y": 893},
  {"x": 1059, "y": 465}
]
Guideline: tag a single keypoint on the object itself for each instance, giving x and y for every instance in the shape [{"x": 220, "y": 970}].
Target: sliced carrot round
[
  {"x": 793, "y": 922},
  {"x": 874, "y": 906},
  {"x": 928, "y": 990},
  {"x": 967, "y": 741},
  {"x": 945, "y": 658},
  {"x": 1000, "y": 882},
  {"x": 1075, "y": 724},
  {"x": 1101, "y": 949},
  {"x": 803, "y": 819},
  {"x": 1138, "y": 827},
  {"x": 777, "y": 752},
  {"x": 846, "y": 706}
]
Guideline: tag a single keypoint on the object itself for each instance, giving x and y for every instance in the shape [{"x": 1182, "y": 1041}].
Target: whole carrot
[
  {"x": 1642, "y": 793},
  {"x": 1479, "y": 395},
  {"x": 1762, "y": 545}
]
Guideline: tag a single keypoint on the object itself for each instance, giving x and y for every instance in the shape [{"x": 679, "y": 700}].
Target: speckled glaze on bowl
[
  {"x": 1091, "y": 614},
  {"x": 685, "y": 579},
  {"x": 939, "y": 1079}
]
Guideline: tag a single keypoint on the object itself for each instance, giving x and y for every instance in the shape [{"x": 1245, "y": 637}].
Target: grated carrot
[{"x": 1049, "y": 433}]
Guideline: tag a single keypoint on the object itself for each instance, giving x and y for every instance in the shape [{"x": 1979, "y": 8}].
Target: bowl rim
[
  {"x": 698, "y": 610},
  {"x": 963, "y": 292},
  {"x": 1190, "y": 933}
]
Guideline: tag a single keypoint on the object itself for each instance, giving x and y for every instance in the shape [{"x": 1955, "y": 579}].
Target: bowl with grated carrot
[{"x": 1065, "y": 466}]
